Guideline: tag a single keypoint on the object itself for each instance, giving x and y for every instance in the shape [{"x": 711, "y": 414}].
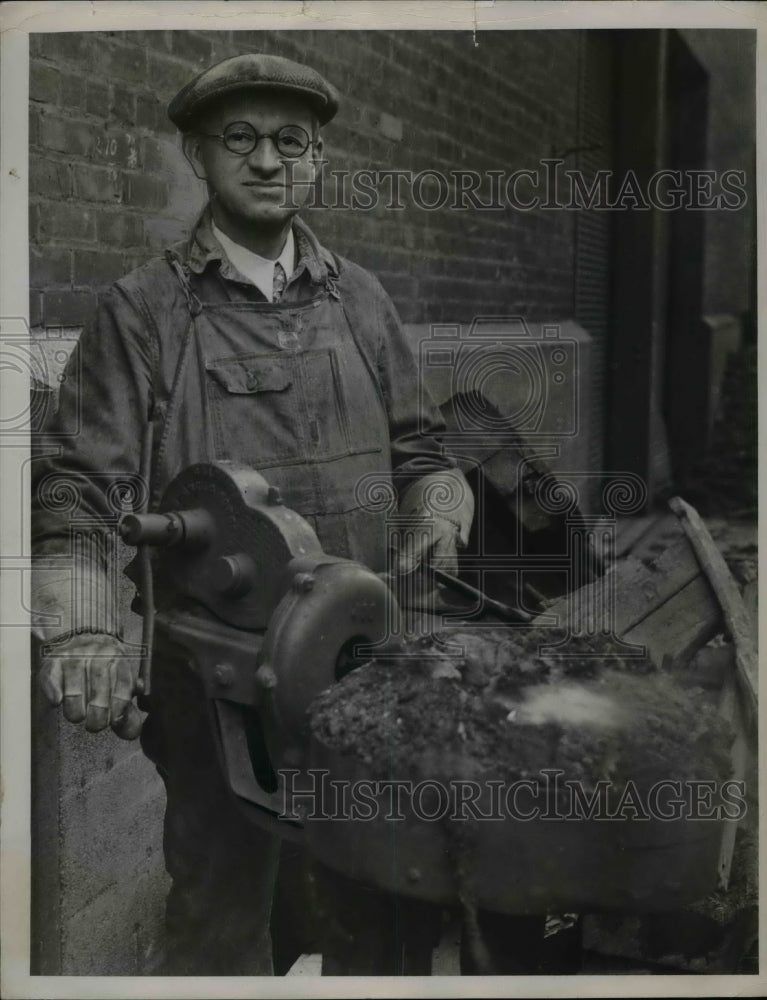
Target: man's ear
[{"x": 191, "y": 146}]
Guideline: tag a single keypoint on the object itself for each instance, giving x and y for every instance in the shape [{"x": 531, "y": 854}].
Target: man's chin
[{"x": 270, "y": 216}]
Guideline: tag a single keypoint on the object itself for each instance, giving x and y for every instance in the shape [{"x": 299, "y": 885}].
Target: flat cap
[{"x": 254, "y": 71}]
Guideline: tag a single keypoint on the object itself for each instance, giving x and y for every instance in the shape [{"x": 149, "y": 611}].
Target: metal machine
[
  {"x": 260, "y": 612},
  {"x": 268, "y": 620}
]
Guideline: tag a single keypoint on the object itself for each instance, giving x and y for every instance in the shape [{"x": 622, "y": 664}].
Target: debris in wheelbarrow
[
  {"x": 569, "y": 743},
  {"x": 509, "y": 706}
]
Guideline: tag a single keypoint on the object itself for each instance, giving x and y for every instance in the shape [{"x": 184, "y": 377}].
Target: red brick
[
  {"x": 34, "y": 125},
  {"x": 257, "y": 41},
  {"x": 160, "y": 41},
  {"x": 132, "y": 261},
  {"x": 192, "y": 46},
  {"x": 50, "y": 178},
  {"x": 97, "y": 98},
  {"x": 382, "y": 42},
  {"x": 115, "y": 60},
  {"x": 35, "y": 308},
  {"x": 65, "y": 46},
  {"x": 389, "y": 126},
  {"x": 152, "y": 159},
  {"x": 162, "y": 232},
  {"x": 122, "y": 107},
  {"x": 164, "y": 125},
  {"x": 65, "y": 221},
  {"x": 96, "y": 183},
  {"x": 65, "y": 135},
  {"x": 168, "y": 74},
  {"x": 70, "y": 308},
  {"x": 97, "y": 267},
  {"x": 49, "y": 267},
  {"x": 119, "y": 229},
  {"x": 143, "y": 191},
  {"x": 147, "y": 107},
  {"x": 222, "y": 46},
  {"x": 73, "y": 91},
  {"x": 400, "y": 287},
  {"x": 117, "y": 148},
  {"x": 44, "y": 82}
]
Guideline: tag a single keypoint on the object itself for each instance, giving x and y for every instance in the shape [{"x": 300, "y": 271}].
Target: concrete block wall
[
  {"x": 98, "y": 879},
  {"x": 98, "y": 875},
  {"x": 109, "y": 188}
]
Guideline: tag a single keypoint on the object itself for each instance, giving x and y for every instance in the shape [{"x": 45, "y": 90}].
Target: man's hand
[
  {"x": 441, "y": 549},
  {"x": 96, "y": 680},
  {"x": 444, "y": 502}
]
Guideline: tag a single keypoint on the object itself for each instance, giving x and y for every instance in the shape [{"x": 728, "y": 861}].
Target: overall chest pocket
[{"x": 279, "y": 409}]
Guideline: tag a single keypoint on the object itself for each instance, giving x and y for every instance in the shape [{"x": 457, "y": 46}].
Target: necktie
[{"x": 278, "y": 282}]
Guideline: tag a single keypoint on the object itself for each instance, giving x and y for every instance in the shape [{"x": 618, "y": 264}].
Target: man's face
[{"x": 263, "y": 187}]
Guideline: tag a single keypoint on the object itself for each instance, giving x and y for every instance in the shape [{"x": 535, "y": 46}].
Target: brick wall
[{"x": 109, "y": 187}]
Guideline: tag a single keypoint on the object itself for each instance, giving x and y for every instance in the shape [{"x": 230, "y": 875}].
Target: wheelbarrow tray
[
  {"x": 541, "y": 865},
  {"x": 518, "y": 865}
]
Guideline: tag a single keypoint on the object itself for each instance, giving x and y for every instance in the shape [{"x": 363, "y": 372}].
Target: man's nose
[{"x": 265, "y": 158}]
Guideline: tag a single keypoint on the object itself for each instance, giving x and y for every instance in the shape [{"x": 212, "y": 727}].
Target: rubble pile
[{"x": 504, "y": 703}]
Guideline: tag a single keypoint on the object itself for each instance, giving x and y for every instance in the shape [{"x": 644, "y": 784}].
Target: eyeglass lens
[{"x": 242, "y": 138}]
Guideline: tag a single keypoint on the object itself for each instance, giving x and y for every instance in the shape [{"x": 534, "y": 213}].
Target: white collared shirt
[{"x": 258, "y": 270}]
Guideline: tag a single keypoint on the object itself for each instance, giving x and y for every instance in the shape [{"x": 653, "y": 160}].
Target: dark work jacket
[{"x": 320, "y": 392}]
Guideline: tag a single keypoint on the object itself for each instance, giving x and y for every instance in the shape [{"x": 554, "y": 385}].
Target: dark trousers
[{"x": 223, "y": 868}]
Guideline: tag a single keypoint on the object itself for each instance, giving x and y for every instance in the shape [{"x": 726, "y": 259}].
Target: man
[{"x": 249, "y": 342}]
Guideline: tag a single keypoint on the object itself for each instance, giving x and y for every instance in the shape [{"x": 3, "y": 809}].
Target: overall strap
[
  {"x": 354, "y": 319},
  {"x": 175, "y": 398},
  {"x": 194, "y": 304},
  {"x": 324, "y": 267}
]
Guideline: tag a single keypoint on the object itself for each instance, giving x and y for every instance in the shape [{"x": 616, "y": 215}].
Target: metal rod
[
  {"x": 505, "y": 611},
  {"x": 147, "y": 581}
]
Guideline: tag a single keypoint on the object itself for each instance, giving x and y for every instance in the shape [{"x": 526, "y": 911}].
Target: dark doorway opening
[{"x": 687, "y": 375}]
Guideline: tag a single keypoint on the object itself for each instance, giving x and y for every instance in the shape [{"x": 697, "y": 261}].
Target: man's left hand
[{"x": 441, "y": 504}]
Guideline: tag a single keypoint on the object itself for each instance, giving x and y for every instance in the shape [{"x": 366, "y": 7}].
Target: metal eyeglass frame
[{"x": 274, "y": 136}]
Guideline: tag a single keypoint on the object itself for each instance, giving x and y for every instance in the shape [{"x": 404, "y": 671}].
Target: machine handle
[
  {"x": 194, "y": 528},
  {"x": 147, "y": 580},
  {"x": 505, "y": 611},
  {"x": 149, "y": 529}
]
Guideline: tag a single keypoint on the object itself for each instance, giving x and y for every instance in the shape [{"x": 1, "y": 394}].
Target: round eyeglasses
[{"x": 241, "y": 139}]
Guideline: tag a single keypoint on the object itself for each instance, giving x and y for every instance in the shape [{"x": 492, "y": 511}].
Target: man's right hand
[{"x": 96, "y": 679}]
